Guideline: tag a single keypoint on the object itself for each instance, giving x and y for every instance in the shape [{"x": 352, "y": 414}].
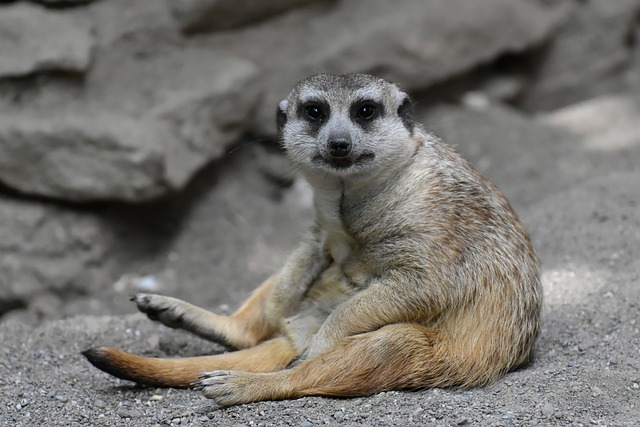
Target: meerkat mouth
[{"x": 342, "y": 163}]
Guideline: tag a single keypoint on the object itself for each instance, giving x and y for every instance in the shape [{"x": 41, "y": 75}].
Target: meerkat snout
[{"x": 339, "y": 146}]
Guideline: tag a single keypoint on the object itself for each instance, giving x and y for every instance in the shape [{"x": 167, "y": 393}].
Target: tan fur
[{"x": 416, "y": 273}]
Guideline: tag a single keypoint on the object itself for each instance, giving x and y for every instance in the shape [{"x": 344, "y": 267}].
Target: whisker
[{"x": 243, "y": 144}]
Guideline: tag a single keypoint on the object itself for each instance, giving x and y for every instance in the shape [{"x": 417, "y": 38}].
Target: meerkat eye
[
  {"x": 314, "y": 112},
  {"x": 367, "y": 112}
]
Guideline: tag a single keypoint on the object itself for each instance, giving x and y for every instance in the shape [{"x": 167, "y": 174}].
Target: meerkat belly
[
  {"x": 346, "y": 276},
  {"x": 333, "y": 287}
]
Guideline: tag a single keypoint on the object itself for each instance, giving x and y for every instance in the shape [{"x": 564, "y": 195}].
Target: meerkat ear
[
  {"x": 405, "y": 112},
  {"x": 281, "y": 115}
]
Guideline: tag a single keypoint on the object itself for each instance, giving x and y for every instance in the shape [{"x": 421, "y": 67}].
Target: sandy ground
[{"x": 586, "y": 228}]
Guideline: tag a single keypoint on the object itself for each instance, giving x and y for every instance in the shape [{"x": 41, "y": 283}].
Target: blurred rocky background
[{"x": 137, "y": 138}]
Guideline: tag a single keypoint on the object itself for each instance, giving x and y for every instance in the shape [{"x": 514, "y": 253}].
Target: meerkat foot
[
  {"x": 178, "y": 314},
  {"x": 228, "y": 388},
  {"x": 169, "y": 311}
]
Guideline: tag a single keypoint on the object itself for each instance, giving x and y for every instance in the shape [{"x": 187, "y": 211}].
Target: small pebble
[
  {"x": 462, "y": 421},
  {"x": 307, "y": 423},
  {"x": 128, "y": 413},
  {"x": 548, "y": 409}
]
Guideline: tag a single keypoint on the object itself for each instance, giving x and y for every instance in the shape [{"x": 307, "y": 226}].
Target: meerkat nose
[{"x": 339, "y": 147}]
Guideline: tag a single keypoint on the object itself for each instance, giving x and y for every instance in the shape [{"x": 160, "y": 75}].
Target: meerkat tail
[
  {"x": 269, "y": 356},
  {"x": 151, "y": 371}
]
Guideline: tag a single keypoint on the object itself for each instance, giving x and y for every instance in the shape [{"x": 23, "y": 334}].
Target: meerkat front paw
[
  {"x": 228, "y": 388},
  {"x": 166, "y": 310},
  {"x": 219, "y": 386}
]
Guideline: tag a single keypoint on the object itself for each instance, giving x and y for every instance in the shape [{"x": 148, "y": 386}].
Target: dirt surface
[{"x": 586, "y": 228}]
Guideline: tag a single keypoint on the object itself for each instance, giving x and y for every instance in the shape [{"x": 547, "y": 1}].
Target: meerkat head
[{"x": 346, "y": 125}]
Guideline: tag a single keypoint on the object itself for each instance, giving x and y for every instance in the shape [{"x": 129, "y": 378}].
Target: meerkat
[{"x": 416, "y": 272}]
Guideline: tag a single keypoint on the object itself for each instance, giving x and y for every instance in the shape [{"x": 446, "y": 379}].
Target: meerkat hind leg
[
  {"x": 399, "y": 356},
  {"x": 247, "y": 327}
]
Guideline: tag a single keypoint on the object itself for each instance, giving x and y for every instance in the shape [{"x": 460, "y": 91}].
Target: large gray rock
[
  {"x": 33, "y": 39},
  {"x": 80, "y": 155},
  {"x": 415, "y": 43},
  {"x": 140, "y": 128},
  {"x": 213, "y": 15},
  {"x": 588, "y": 56},
  {"x": 204, "y": 98}
]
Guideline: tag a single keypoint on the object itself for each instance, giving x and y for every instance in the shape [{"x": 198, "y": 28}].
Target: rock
[
  {"x": 35, "y": 40},
  {"x": 44, "y": 248},
  {"x": 414, "y": 43},
  {"x": 604, "y": 124},
  {"x": 116, "y": 19},
  {"x": 548, "y": 410},
  {"x": 81, "y": 156},
  {"x": 128, "y": 413},
  {"x": 204, "y": 98},
  {"x": 587, "y": 57},
  {"x": 196, "y": 16},
  {"x": 139, "y": 130}
]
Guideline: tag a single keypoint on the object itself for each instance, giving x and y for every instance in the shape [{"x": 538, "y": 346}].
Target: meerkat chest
[
  {"x": 338, "y": 241},
  {"x": 343, "y": 247}
]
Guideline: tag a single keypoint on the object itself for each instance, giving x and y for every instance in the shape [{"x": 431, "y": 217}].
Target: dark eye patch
[
  {"x": 365, "y": 111},
  {"x": 314, "y": 111}
]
